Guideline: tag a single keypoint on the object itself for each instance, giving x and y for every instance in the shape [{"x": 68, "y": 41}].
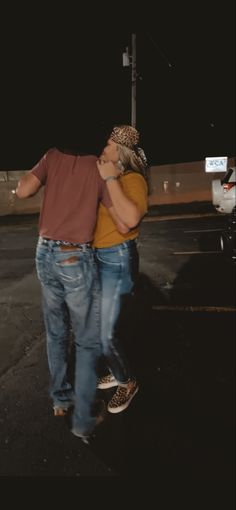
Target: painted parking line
[
  {"x": 193, "y": 252},
  {"x": 200, "y": 231},
  {"x": 185, "y": 308},
  {"x": 179, "y": 216}
]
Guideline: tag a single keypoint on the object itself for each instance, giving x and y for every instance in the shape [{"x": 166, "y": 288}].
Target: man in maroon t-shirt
[{"x": 68, "y": 275}]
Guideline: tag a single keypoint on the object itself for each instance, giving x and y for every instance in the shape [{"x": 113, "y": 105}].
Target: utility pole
[
  {"x": 130, "y": 60},
  {"x": 133, "y": 82}
]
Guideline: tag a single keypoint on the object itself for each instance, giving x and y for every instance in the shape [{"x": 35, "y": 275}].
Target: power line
[{"x": 160, "y": 51}]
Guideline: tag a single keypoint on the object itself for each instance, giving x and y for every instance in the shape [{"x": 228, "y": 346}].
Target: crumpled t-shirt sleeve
[{"x": 40, "y": 170}]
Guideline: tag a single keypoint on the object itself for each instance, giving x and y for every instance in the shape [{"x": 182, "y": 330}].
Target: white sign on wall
[{"x": 218, "y": 164}]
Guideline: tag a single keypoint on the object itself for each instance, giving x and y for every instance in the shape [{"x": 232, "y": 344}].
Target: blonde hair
[{"x": 130, "y": 160}]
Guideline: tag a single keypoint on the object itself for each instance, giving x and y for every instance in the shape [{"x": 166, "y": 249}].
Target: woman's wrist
[{"x": 110, "y": 178}]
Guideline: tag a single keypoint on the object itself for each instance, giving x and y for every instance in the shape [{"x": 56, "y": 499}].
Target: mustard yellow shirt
[{"x": 106, "y": 233}]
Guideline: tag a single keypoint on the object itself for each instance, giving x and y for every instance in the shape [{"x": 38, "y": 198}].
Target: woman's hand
[
  {"x": 107, "y": 169},
  {"x": 127, "y": 212}
]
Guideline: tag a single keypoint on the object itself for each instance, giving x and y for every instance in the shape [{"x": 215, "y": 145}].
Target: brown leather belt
[{"x": 69, "y": 247}]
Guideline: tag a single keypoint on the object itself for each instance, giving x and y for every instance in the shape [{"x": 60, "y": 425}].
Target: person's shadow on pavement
[{"x": 145, "y": 433}]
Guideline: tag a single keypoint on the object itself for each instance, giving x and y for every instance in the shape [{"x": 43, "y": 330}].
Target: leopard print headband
[
  {"x": 129, "y": 137},
  {"x": 125, "y": 135}
]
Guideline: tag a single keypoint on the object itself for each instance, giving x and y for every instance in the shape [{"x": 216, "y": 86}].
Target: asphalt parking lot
[{"x": 180, "y": 334}]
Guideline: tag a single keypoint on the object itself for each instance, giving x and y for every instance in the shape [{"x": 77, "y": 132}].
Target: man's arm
[{"x": 28, "y": 186}]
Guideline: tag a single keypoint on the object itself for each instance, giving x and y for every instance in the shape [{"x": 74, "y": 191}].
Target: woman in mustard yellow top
[{"x": 122, "y": 166}]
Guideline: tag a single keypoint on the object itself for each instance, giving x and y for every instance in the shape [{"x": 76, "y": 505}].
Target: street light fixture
[{"x": 130, "y": 60}]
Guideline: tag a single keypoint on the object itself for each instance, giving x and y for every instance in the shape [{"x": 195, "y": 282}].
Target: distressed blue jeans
[
  {"x": 71, "y": 296},
  {"x": 118, "y": 269}
]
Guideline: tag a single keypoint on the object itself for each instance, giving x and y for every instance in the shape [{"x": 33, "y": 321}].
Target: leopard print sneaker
[
  {"x": 123, "y": 396},
  {"x": 108, "y": 381}
]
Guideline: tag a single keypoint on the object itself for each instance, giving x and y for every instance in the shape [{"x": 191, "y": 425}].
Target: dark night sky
[{"x": 63, "y": 83}]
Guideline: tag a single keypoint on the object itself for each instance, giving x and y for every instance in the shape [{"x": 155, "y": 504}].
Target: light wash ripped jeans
[
  {"x": 118, "y": 270},
  {"x": 70, "y": 284}
]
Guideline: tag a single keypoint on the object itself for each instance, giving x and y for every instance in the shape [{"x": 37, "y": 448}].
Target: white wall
[{"x": 179, "y": 183}]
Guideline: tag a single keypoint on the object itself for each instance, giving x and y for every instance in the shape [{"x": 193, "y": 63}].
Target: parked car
[
  {"x": 228, "y": 237},
  {"x": 223, "y": 199},
  {"x": 223, "y": 192}
]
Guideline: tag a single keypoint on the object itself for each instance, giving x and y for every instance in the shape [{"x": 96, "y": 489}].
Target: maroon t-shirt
[{"x": 73, "y": 189}]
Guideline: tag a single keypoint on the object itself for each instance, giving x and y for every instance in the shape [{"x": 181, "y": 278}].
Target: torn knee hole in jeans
[{"x": 69, "y": 261}]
